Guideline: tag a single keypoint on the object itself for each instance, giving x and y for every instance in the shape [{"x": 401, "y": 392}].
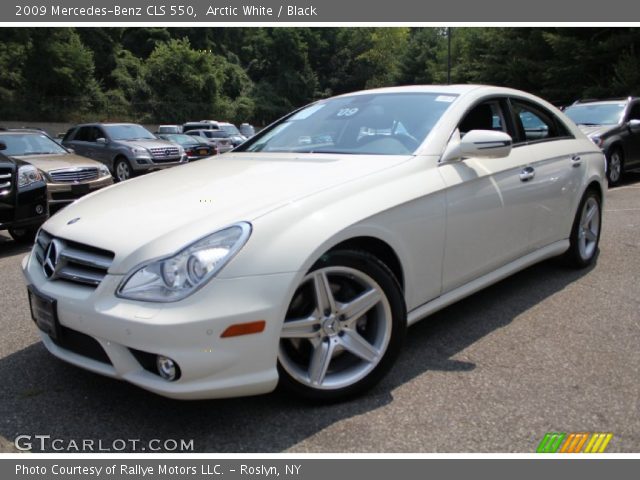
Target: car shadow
[{"x": 42, "y": 395}]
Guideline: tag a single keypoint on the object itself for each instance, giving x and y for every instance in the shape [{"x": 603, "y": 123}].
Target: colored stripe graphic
[
  {"x": 554, "y": 442},
  {"x": 551, "y": 442}
]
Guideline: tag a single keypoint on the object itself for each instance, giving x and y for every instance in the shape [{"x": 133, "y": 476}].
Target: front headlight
[
  {"x": 140, "y": 152},
  {"x": 28, "y": 174},
  {"x": 103, "y": 171},
  {"x": 176, "y": 277}
]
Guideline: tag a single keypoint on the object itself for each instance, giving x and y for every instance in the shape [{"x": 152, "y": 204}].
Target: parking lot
[{"x": 549, "y": 349}]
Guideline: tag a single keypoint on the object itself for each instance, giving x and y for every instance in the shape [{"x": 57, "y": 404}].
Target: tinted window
[
  {"x": 485, "y": 116},
  {"x": 85, "y": 134},
  {"x": 535, "y": 123}
]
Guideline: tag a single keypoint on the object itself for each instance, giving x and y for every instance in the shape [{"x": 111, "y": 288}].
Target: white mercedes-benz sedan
[{"x": 301, "y": 257}]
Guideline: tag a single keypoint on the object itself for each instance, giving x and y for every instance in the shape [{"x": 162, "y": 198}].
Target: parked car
[
  {"x": 126, "y": 149},
  {"x": 202, "y": 125},
  {"x": 68, "y": 176},
  {"x": 234, "y": 134},
  {"x": 306, "y": 263},
  {"x": 218, "y": 138},
  {"x": 613, "y": 125},
  {"x": 169, "y": 129},
  {"x": 193, "y": 146},
  {"x": 247, "y": 130},
  {"x": 23, "y": 198}
]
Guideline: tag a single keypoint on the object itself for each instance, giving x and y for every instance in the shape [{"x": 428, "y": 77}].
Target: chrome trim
[
  {"x": 86, "y": 258},
  {"x": 5, "y": 175},
  {"x": 74, "y": 262},
  {"x": 71, "y": 175},
  {"x": 5, "y": 185}
]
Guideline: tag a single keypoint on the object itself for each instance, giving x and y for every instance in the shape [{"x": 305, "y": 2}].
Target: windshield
[
  {"x": 30, "y": 144},
  {"x": 181, "y": 139},
  {"x": 373, "y": 123},
  {"x": 128, "y": 132},
  {"x": 596, "y": 114},
  {"x": 230, "y": 129}
]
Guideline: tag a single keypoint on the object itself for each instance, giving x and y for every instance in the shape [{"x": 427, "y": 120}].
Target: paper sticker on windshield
[
  {"x": 347, "y": 112},
  {"x": 445, "y": 98}
]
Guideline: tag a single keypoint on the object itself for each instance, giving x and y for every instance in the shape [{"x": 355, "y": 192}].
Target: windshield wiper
[
  {"x": 587, "y": 124},
  {"x": 39, "y": 153}
]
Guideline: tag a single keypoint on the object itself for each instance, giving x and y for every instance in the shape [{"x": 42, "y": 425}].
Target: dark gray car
[
  {"x": 613, "y": 125},
  {"x": 127, "y": 149}
]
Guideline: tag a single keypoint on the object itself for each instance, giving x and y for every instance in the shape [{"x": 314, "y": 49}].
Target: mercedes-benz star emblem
[
  {"x": 167, "y": 152},
  {"x": 51, "y": 259}
]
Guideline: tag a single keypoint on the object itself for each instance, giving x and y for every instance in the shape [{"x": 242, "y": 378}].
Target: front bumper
[
  {"x": 149, "y": 164},
  {"x": 63, "y": 193},
  {"x": 189, "y": 332}
]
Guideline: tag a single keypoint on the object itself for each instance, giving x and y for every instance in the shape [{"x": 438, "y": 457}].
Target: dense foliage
[{"x": 258, "y": 74}]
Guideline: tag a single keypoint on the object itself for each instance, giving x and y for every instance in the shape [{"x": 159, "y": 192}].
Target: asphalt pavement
[{"x": 549, "y": 349}]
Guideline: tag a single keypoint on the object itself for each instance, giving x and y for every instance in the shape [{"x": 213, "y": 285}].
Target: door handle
[
  {"x": 527, "y": 174},
  {"x": 576, "y": 161}
]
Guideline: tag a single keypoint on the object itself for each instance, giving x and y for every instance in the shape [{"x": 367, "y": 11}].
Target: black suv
[
  {"x": 23, "y": 198},
  {"x": 613, "y": 125}
]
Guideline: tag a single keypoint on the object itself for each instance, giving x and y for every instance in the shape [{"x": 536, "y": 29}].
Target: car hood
[
  {"x": 596, "y": 130},
  {"x": 159, "y": 213},
  {"x": 47, "y": 163},
  {"x": 152, "y": 143}
]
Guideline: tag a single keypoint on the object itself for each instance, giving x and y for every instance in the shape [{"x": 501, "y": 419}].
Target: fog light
[
  {"x": 39, "y": 209},
  {"x": 167, "y": 368}
]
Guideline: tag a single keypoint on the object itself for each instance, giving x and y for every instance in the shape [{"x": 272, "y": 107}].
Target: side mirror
[
  {"x": 101, "y": 141},
  {"x": 478, "y": 144},
  {"x": 3, "y": 146},
  {"x": 70, "y": 150},
  {"x": 634, "y": 125}
]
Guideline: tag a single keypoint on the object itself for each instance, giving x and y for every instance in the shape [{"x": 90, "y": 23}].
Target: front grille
[
  {"x": 74, "y": 175},
  {"x": 5, "y": 181},
  {"x": 71, "y": 261},
  {"x": 81, "y": 344},
  {"x": 163, "y": 152},
  {"x": 166, "y": 160}
]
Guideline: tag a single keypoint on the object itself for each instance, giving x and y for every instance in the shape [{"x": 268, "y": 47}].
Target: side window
[
  {"x": 98, "y": 133},
  {"x": 68, "y": 135},
  {"x": 634, "y": 113},
  {"x": 83, "y": 134},
  {"x": 485, "y": 116},
  {"x": 535, "y": 123}
]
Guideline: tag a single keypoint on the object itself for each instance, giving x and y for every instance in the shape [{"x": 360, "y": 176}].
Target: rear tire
[
  {"x": 344, "y": 328},
  {"x": 585, "y": 233}
]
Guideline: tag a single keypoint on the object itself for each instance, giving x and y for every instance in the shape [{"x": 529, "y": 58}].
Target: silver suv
[{"x": 126, "y": 149}]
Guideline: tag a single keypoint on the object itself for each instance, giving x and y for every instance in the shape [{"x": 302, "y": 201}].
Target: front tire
[
  {"x": 122, "y": 170},
  {"x": 615, "y": 166},
  {"x": 585, "y": 233},
  {"x": 344, "y": 327}
]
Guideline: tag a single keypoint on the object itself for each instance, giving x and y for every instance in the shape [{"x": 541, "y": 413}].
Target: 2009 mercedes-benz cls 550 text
[{"x": 302, "y": 256}]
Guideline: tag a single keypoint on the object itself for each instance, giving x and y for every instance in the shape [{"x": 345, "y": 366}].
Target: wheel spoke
[
  {"x": 589, "y": 215},
  {"x": 591, "y": 236},
  {"x": 301, "y": 328},
  {"x": 320, "y": 360},
  {"x": 324, "y": 296},
  {"x": 357, "y": 307},
  {"x": 354, "y": 343}
]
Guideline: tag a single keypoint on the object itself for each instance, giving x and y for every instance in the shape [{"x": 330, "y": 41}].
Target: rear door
[{"x": 544, "y": 145}]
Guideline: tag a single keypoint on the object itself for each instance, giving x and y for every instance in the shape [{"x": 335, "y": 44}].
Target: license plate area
[
  {"x": 44, "y": 312},
  {"x": 80, "y": 189}
]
